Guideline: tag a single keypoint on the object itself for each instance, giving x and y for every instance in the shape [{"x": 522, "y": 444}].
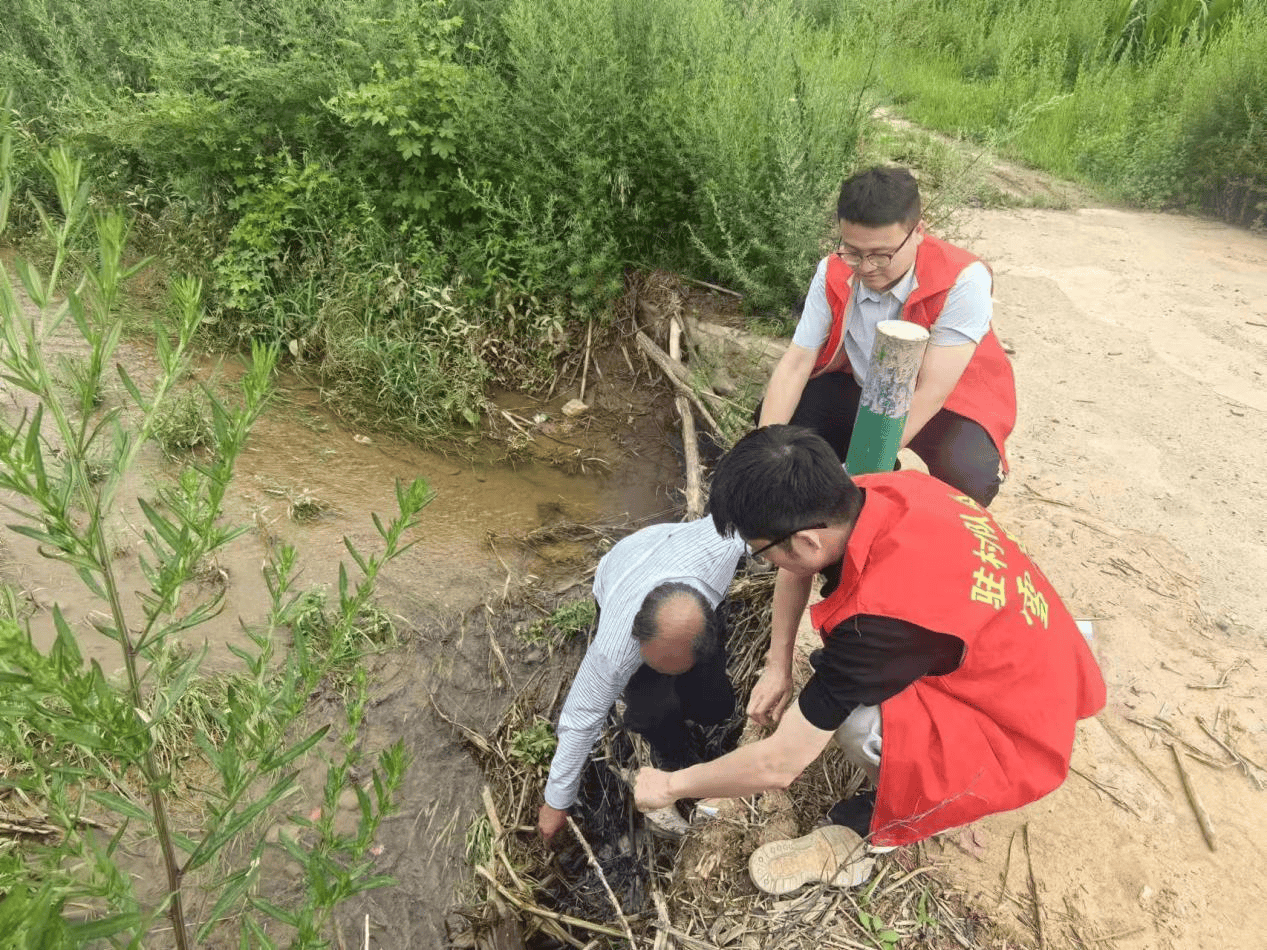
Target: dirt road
[{"x": 1139, "y": 479}]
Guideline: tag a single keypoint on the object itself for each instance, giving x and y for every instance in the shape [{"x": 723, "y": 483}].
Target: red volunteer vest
[
  {"x": 996, "y": 733},
  {"x": 986, "y": 392}
]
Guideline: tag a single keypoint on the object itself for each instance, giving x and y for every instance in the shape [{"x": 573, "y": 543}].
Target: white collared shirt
[
  {"x": 965, "y": 318},
  {"x": 690, "y": 552}
]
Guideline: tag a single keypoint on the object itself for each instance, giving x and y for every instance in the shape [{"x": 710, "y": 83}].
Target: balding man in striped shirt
[{"x": 660, "y": 641}]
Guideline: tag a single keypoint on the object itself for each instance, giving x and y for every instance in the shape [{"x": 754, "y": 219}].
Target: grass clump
[
  {"x": 564, "y": 623},
  {"x": 340, "y": 642},
  {"x": 183, "y": 424},
  {"x": 1162, "y": 103},
  {"x": 574, "y": 617},
  {"x": 534, "y": 744}
]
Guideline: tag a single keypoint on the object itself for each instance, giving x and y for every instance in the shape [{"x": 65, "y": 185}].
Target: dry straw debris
[{"x": 614, "y": 883}]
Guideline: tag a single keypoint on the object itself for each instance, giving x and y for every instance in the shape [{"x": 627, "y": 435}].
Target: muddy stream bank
[{"x": 308, "y": 479}]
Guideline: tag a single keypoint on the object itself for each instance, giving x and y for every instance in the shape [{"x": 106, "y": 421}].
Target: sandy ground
[{"x": 1137, "y": 482}]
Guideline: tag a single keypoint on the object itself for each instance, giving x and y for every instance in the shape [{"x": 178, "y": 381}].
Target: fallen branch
[
  {"x": 469, "y": 734},
  {"x": 585, "y": 368},
  {"x": 690, "y": 445},
  {"x": 1106, "y": 790},
  {"x": 1222, "y": 682},
  {"x": 1168, "y": 730},
  {"x": 1007, "y": 866},
  {"x": 1248, "y": 766},
  {"x": 1203, "y": 818},
  {"x": 620, "y": 914},
  {"x": 499, "y": 849},
  {"x": 1113, "y": 734},
  {"x": 678, "y": 376},
  {"x": 765, "y": 350},
  {"x": 723, "y": 290}
]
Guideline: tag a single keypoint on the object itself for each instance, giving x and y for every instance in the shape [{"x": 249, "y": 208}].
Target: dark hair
[
  {"x": 781, "y": 479},
  {"x": 646, "y": 628},
  {"x": 879, "y": 197}
]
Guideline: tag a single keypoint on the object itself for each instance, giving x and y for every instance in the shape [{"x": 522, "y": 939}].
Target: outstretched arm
[
  {"x": 938, "y": 376},
  {"x": 593, "y": 693},
  {"x": 774, "y": 762},
  {"x": 787, "y": 382},
  {"x": 963, "y": 321},
  {"x": 773, "y": 690}
]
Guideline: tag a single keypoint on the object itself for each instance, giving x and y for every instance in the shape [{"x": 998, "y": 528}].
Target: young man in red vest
[
  {"x": 888, "y": 267},
  {"x": 950, "y": 670}
]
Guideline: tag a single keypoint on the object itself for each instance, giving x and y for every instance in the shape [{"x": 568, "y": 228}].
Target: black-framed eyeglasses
[
  {"x": 757, "y": 553},
  {"x": 878, "y": 261}
]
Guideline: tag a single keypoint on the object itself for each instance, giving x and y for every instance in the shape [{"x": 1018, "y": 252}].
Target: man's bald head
[{"x": 675, "y": 627}]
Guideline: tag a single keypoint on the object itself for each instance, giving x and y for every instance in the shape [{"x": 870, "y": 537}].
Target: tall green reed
[{"x": 98, "y": 763}]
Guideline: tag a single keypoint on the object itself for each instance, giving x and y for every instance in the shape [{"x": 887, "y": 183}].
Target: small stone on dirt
[{"x": 574, "y": 407}]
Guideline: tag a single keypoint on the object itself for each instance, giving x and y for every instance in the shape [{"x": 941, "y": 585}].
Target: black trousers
[
  {"x": 955, "y": 449},
  {"x": 658, "y": 706}
]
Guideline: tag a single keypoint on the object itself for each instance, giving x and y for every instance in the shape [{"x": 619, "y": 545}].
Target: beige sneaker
[{"x": 832, "y": 854}]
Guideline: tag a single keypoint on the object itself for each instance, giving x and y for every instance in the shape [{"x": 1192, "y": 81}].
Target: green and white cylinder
[{"x": 886, "y": 397}]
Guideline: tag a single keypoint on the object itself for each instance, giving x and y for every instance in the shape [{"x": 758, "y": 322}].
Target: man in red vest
[
  {"x": 888, "y": 267},
  {"x": 950, "y": 670}
]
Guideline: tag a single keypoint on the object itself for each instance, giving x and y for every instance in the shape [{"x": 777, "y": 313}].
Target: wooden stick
[
  {"x": 677, "y": 376},
  {"x": 690, "y": 445},
  {"x": 1106, "y": 790},
  {"x": 1222, "y": 683},
  {"x": 1033, "y": 888},
  {"x": 486, "y": 794},
  {"x": 1167, "y": 729},
  {"x": 735, "y": 293},
  {"x": 1248, "y": 766},
  {"x": 589, "y": 333},
  {"x": 1203, "y": 818},
  {"x": 886, "y": 396},
  {"x": 1113, "y": 734},
  {"x": 530, "y": 908},
  {"x": 1007, "y": 866},
  {"x": 620, "y": 914}
]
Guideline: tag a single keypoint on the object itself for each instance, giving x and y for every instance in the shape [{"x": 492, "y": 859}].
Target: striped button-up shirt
[{"x": 691, "y": 553}]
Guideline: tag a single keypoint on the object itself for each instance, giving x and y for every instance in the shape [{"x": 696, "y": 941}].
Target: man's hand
[
  {"x": 651, "y": 790},
  {"x": 549, "y": 821},
  {"x": 770, "y": 696}
]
